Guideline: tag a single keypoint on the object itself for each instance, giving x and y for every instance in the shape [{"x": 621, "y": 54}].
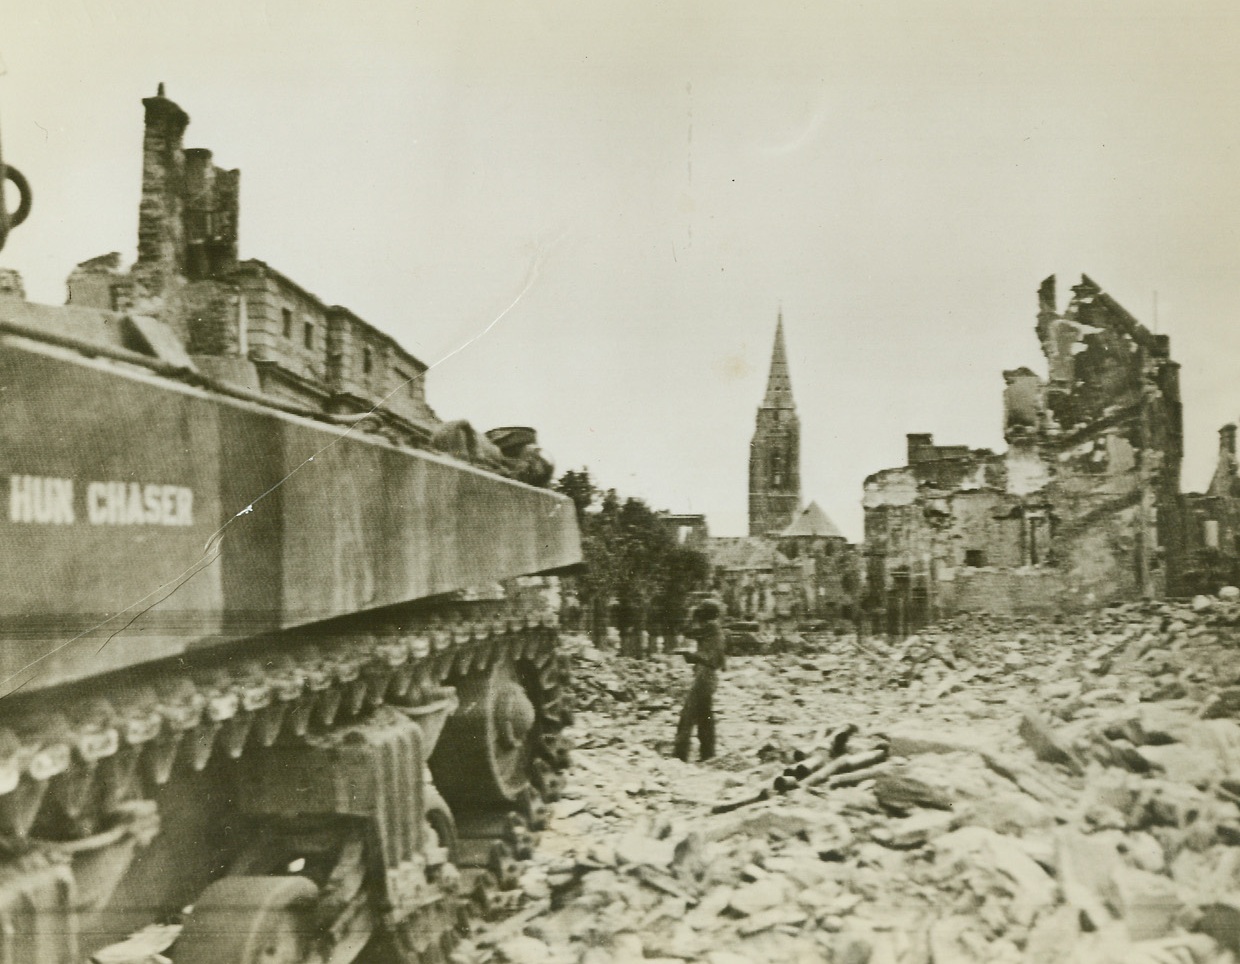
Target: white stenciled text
[{"x": 53, "y": 501}]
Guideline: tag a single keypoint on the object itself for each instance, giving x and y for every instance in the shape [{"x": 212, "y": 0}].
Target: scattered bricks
[
  {"x": 1010, "y": 811},
  {"x": 955, "y": 940},
  {"x": 1143, "y": 852},
  {"x": 1119, "y": 753},
  {"x": 525, "y": 950},
  {"x": 564, "y": 808},
  {"x": 832, "y": 840},
  {"x": 1054, "y": 936},
  {"x": 774, "y": 917},
  {"x": 662, "y": 882},
  {"x": 1004, "y": 866},
  {"x": 787, "y": 876},
  {"x": 916, "y": 830},
  {"x": 1084, "y": 865},
  {"x": 1046, "y": 745},
  {"x": 1221, "y": 920},
  {"x": 758, "y": 896},
  {"x": 1210, "y": 751},
  {"x": 689, "y": 859},
  {"x": 770, "y": 822},
  {"x": 726, "y": 957},
  {"x": 898, "y": 790},
  {"x": 853, "y": 948},
  {"x": 1147, "y": 903},
  {"x": 909, "y": 741},
  {"x": 1148, "y": 726},
  {"x": 1042, "y": 786},
  {"x": 754, "y": 796},
  {"x": 637, "y": 849},
  {"x": 1225, "y": 703}
]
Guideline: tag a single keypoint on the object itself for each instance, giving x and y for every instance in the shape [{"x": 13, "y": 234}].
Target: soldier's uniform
[{"x": 710, "y": 658}]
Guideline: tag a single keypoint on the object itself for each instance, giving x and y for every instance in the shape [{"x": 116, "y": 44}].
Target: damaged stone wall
[
  {"x": 1112, "y": 438},
  {"x": 1212, "y": 524},
  {"x": 830, "y": 578},
  {"x": 1082, "y": 509},
  {"x": 244, "y": 322}
]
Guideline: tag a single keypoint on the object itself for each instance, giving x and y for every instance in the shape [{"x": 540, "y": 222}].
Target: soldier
[{"x": 709, "y": 658}]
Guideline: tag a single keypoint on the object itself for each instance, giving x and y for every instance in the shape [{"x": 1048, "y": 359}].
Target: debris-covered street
[{"x": 1012, "y": 791}]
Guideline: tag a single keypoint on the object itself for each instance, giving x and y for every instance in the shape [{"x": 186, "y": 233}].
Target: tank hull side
[{"x": 141, "y": 519}]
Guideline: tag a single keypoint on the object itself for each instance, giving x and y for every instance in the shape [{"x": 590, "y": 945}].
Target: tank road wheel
[
  {"x": 486, "y": 752},
  {"x": 250, "y": 920}
]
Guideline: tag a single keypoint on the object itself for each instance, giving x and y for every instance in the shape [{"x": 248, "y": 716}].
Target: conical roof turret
[{"x": 778, "y": 384}]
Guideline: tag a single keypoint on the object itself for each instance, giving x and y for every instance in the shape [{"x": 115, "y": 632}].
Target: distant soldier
[{"x": 710, "y": 657}]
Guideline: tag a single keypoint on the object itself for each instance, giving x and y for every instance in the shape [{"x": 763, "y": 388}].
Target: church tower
[{"x": 775, "y": 452}]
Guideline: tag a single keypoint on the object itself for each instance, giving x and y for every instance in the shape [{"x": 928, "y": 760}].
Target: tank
[{"x": 278, "y": 661}]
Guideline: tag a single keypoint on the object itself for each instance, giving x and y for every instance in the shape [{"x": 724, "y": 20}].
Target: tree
[
  {"x": 685, "y": 571},
  {"x": 632, "y": 561}
]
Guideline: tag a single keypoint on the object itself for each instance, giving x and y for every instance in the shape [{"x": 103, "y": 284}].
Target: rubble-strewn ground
[{"x": 1014, "y": 791}]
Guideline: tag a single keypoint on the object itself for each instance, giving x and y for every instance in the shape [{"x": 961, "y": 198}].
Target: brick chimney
[
  {"x": 210, "y": 209},
  {"x": 920, "y": 444},
  {"x": 161, "y": 238},
  {"x": 1225, "y": 479}
]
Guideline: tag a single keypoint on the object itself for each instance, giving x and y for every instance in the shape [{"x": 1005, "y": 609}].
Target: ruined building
[
  {"x": 244, "y": 322},
  {"x": 1212, "y": 524},
  {"x": 775, "y": 450},
  {"x": 1082, "y": 509}
]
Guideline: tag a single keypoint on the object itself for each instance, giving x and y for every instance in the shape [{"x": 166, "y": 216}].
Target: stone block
[
  {"x": 897, "y": 789},
  {"x": 1046, "y": 744},
  {"x": 1148, "y": 903},
  {"x": 759, "y": 896},
  {"x": 916, "y": 830},
  {"x": 639, "y": 849},
  {"x": 1085, "y": 865},
  {"x": 1221, "y": 920}
]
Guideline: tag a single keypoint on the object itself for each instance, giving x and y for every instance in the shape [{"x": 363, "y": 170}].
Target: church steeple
[
  {"x": 778, "y": 385},
  {"x": 775, "y": 451}
]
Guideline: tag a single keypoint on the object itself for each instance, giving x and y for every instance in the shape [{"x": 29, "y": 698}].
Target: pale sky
[{"x": 665, "y": 175}]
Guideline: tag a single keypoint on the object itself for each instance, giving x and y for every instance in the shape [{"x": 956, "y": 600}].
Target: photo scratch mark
[{"x": 213, "y": 546}]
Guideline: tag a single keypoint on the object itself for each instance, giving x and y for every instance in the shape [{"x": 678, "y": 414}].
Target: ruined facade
[
  {"x": 689, "y": 529},
  {"x": 244, "y": 322},
  {"x": 1212, "y": 524},
  {"x": 753, "y": 578},
  {"x": 830, "y": 566},
  {"x": 808, "y": 572},
  {"x": 775, "y": 450},
  {"x": 1082, "y": 509}
]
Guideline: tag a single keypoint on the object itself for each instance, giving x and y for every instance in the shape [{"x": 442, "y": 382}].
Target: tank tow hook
[{"x": 11, "y": 219}]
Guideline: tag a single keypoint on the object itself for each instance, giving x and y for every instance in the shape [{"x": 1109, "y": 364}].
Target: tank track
[
  {"x": 70, "y": 776},
  {"x": 64, "y": 771}
]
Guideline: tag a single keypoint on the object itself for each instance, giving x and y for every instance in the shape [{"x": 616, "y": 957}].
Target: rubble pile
[
  {"x": 602, "y": 681},
  {"x": 989, "y": 791}
]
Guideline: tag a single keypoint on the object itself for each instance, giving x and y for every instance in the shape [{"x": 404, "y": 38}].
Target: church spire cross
[{"x": 778, "y": 385}]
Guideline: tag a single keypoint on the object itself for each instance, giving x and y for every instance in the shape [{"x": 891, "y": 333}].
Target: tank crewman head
[{"x": 707, "y": 610}]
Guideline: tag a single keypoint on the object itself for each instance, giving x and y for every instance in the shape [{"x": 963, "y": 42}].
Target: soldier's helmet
[{"x": 709, "y": 609}]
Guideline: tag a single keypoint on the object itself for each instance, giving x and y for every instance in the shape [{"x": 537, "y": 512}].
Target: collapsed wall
[{"x": 1082, "y": 509}]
